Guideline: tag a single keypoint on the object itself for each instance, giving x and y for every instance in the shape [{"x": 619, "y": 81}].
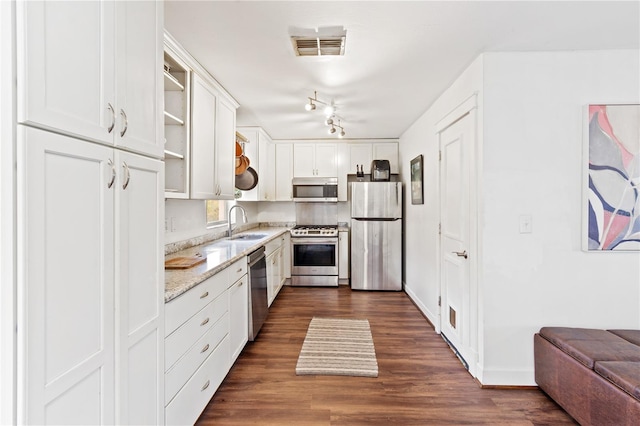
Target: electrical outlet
[{"x": 526, "y": 224}]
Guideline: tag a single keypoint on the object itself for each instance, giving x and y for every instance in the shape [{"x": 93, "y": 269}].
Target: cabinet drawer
[
  {"x": 188, "y": 404},
  {"x": 237, "y": 270},
  {"x": 184, "y": 337},
  {"x": 271, "y": 246},
  {"x": 186, "y": 305},
  {"x": 179, "y": 374}
]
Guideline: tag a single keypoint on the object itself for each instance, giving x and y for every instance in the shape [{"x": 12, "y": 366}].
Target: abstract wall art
[{"x": 613, "y": 198}]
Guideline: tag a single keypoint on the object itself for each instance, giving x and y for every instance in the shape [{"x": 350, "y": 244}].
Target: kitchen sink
[{"x": 248, "y": 237}]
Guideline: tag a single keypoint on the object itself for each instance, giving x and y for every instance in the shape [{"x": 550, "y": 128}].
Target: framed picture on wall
[
  {"x": 612, "y": 175},
  {"x": 416, "y": 181}
]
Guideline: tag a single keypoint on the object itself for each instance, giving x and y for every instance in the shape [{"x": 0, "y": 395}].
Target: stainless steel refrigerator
[{"x": 376, "y": 236}]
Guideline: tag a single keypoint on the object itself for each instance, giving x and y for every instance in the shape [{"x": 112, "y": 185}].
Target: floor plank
[{"x": 420, "y": 380}]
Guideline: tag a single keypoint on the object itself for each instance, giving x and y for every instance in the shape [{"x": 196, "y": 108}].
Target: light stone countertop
[{"x": 219, "y": 254}]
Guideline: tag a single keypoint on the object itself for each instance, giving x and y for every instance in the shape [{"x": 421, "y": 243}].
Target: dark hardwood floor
[{"x": 420, "y": 380}]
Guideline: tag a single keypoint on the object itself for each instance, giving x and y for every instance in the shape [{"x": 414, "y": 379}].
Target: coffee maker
[{"x": 380, "y": 171}]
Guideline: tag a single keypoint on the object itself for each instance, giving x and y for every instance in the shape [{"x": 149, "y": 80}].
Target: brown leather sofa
[{"x": 593, "y": 374}]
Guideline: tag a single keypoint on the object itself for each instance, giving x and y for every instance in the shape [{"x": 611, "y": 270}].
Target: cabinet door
[
  {"x": 203, "y": 111},
  {"x": 66, "y": 67},
  {"x": 66, "y": 302},
  {"x": 238, "y": 317},
  {"x": 326, "y": 165},
  {"x": 387, "y": 151},
  {"x": 139, "y": 81},
  {"x": 267, "y": 182},
  {"x": 304, "y": 164},
  {"x": 271, "y": 277},
  {"x": 284, "y": 171},
  {"x": 225, "y": 144},
  {"x": 359, "y": 154},
  {"x": 343, "y": 255},
  {"x": 140, "y": 289}
]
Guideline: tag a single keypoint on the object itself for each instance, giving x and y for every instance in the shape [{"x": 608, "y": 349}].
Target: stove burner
[{"x": 314, "y": 230}]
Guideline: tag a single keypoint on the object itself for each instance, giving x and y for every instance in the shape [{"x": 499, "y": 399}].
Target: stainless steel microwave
[{"x": 314, "y": 190}]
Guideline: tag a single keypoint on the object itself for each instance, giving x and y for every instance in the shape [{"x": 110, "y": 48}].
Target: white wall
[
  {"x": 190, "y": 220},
  {"x": 421, "y": 240},
  {"x": 530, "y": 122},
  {"x": 533, "y": 163}
]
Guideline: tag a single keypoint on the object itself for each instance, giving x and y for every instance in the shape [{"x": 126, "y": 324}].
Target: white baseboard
[
  {"x": 432, "y": 317},
  {"x": 495, "y": 377}
]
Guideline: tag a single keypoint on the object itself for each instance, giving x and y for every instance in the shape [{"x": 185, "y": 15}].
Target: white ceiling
[{"x": 400, "y": 55}]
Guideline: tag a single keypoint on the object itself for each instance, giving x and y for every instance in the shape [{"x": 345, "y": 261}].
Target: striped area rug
[{"x": 338, "y": 347}]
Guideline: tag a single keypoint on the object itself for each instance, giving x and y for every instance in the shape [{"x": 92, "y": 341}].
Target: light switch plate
[{"x": 526, "y": 224}]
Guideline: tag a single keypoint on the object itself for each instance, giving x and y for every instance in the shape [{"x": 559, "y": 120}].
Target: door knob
[{"x": 461, "y": 253}]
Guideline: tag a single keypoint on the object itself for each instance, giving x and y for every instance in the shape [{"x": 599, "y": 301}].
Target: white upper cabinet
[
  {"x": 283, "y": 165},
  {"x": 225, "y": 145},
  {"x": 203, "y": 112},
  {"x": 314, "y": 160},
  {"x": 92, "y": 70}
]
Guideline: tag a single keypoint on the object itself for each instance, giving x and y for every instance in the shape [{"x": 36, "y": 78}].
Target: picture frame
[
  {"x": 611, "y": 215},
  {"x": 417, "y": 190}
]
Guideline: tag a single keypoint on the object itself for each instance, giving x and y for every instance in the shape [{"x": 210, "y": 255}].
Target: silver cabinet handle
[
  {"x": 113, "y": 118},
  {"x": 126, "y": 122},
  {"x": 461, "y": 253},
  {"x": 206, "y": 385},
  {"x": 127, "y": 173},
  {"x": 113, "y": 173},
  {"x": 239, "y": 270},
  {"x": 206, "y": 321},
  {"x": 205, "y": 294},
  {"x": 206, "y": 348}
]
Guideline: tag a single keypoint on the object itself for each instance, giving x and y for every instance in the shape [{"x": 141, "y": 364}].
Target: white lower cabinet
[
  {"x": 206, "y": 329},
  {"x": 239, "y": 316},
  {"x": 274, "y": 251},
  {"x": 91, "y": 303}
]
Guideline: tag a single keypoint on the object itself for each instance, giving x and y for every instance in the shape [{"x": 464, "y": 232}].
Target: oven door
[{"x": 314, "y": 256}]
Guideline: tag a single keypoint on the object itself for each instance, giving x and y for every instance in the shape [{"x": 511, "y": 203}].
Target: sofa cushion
[
  {"x": 624, "y": 374},
  {"x": 632, "y": 336},
  {"x": 591, "y": 345}
]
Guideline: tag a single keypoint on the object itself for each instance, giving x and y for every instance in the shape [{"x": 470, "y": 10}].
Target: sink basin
[{"x": 248, "y": 237}]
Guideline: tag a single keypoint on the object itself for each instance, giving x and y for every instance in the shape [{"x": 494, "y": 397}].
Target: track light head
[
  {"x": 341, "y": 135},
  {"x": 329, "y": 110},
  {"x": 329, "y": 121},
  {"x": 332, "y": 130},
  {"x": 310, "y": 106}
]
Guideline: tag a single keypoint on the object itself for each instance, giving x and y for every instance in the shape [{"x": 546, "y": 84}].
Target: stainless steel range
[{"x": 314, "y": 247}]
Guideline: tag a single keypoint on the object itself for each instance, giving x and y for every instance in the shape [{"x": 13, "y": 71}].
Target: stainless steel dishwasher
[{"x": 258, "y": 307}]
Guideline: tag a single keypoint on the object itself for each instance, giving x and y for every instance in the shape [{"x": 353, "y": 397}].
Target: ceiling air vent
[{"x": 318, "y": 46}]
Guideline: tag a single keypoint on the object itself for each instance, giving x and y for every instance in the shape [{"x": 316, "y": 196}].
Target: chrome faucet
[{"x": 244, "y": 217}]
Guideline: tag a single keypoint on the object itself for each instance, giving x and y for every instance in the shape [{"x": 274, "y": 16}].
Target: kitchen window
[{"x": 216, "y": 211}]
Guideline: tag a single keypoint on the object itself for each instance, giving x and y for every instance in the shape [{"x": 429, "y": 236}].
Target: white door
[
  {"x": 66, "y": 66},
  {"x": 203, "y": 112},
  {"x": 66, "y": 289},
  {"x": 238, "y": 316},
  {"x": 456, "y": 146},
  {"x": 139, "y": 84},
  {"x": 140, "y": 290}
]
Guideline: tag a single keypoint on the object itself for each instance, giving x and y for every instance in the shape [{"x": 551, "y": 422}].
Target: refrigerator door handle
[{"x": 397, "y": 194}]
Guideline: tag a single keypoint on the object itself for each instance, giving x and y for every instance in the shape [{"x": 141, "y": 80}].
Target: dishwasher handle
[{"x": 255, "y": 256}]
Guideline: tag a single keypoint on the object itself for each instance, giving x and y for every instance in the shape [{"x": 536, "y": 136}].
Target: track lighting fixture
[{"x": 329, "y": 112}]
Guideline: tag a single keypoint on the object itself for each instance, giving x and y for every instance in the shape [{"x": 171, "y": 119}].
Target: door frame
[{"x": 469, "y": 107}]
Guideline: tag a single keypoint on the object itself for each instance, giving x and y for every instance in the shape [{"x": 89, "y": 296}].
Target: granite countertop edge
[{"x": 178, "y": 282}]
